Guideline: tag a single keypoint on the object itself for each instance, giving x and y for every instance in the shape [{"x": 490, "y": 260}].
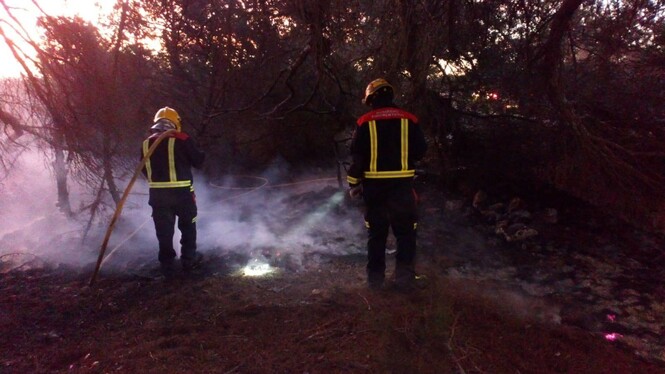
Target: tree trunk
[
  {"x": 113, "y": 188},
  {"x": 108, "y": 171},
  {"x": 60, "y": 169},
  {"x": 552, "y": 53}
]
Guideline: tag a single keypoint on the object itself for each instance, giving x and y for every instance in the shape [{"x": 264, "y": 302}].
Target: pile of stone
[{"x": 512, "y": 220}]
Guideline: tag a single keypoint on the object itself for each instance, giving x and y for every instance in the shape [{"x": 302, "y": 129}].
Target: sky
[{"x": 27, "y": 14}]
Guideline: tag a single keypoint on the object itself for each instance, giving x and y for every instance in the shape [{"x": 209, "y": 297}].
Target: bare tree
[{"x": 92, "y": 97}]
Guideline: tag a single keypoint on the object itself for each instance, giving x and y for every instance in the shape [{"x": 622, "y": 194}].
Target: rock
[
  {"x": 521, "y": 216},
  {"x": 490, "y": 215},
  {"x": 500, "y": 228},
  {"x": 524, "y": 234},
  {"x": 516, "y": 204},
  {"x": 479, "y": 200},
  {"x": 515, "y": 228},
  {"x": 498, "y": 207},
  {"x": 50, "y": 336},
  {"x": 454, "y": 205},
  {"x": 515, "y": 232}
]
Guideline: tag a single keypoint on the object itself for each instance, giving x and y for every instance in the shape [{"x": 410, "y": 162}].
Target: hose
[{"x": 125, "y": 194}]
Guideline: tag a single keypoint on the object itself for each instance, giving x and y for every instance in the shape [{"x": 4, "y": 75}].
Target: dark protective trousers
[
  {"x": 390, "y": 204},
  {"x": 167, "y": 204}
]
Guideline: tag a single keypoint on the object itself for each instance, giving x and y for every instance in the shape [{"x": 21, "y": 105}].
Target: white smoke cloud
[
  {"x": 268, "y": 214},
  {"x": 23, "y": 199},
  {"x": 33, "y": 229}
]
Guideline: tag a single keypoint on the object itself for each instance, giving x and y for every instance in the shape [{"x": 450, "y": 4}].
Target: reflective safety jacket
[
  {"x": 385, "y": 145},
  {"x": 170, "y": 164}
]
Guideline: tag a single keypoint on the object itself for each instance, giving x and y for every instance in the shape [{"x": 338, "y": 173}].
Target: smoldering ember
[{"x": 217, "y": 186}]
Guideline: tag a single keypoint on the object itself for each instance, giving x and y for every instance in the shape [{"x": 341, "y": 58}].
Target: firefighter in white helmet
[
  {"x": 169, "y": 175},
  {"x": 385, "y": 145}
]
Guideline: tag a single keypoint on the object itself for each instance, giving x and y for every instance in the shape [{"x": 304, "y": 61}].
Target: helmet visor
[{"x": 163, "y": 125}]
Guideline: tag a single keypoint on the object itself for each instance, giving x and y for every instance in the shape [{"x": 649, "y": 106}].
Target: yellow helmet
[
  {"x": 168, "y": 114},
  {"x": 373, "y": 87}
]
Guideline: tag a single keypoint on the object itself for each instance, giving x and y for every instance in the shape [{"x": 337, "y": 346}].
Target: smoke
[
  {"x": 274, "y": 215},
  {"x": 256, "y": 216},
  {"x": 293, "y": 218},
  {"x": 33, "y": 229}
]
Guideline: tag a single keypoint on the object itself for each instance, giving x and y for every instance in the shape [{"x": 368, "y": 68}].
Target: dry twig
[{"x": 369, "y": 307}]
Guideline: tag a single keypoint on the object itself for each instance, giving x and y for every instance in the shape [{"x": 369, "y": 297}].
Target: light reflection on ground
[{"x": 256, "y": 268}]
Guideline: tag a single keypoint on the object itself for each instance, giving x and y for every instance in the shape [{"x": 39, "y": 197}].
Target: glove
[{"x": 356, "y": 192}]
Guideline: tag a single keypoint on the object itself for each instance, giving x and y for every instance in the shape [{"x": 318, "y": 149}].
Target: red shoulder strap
[
  {"x": 177, "y": 135},
  {"x": 181, "y": 136},
  {"x": 386, "y": 113}
]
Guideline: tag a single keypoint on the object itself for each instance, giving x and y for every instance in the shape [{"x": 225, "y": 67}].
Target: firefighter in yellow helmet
[
  {"x": 385, "y": 145},
  {"x": 169, "y": 175}
]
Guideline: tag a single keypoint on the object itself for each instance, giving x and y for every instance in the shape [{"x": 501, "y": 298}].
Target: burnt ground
[{"x": 583, "y": 296}]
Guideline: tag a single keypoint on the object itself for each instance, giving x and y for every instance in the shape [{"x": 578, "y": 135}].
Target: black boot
[
  {"x": 405, "y": 276},
  {"x": 167, "y": 268},
  {"x": 375, "y": 279},
  {"x": 191, "y": 263}
]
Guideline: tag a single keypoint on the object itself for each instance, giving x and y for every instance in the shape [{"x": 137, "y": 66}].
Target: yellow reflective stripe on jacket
[
  {"x": 390, "y": 174},
  {"x": 148, "y": 168},
  {"x": 187, "y": 183},
  {"x": 405, "y": 144},
  {"x": 352, "y": 180},
  {"x": 374, "y": 153},
  {"x": 373, "y": 146},
  {"x": 172, "y": 175}
]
